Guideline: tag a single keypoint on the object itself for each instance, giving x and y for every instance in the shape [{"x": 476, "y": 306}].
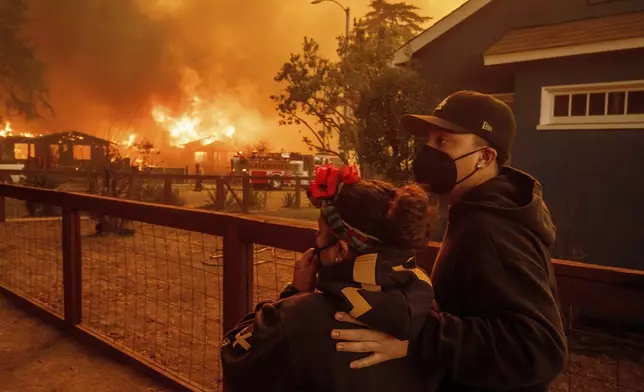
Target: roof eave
[
  {"x": 564, "y": 51},
  {"x": 439, "y": 28}
]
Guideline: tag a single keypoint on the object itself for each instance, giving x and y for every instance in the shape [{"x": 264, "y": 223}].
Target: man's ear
[{"x": 489, "y": 155}]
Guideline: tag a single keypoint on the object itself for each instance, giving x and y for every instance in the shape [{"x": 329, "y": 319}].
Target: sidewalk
[{"x": 36, "y": 357}]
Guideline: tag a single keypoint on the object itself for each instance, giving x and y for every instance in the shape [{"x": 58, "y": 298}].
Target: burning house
[
  {"x": 70, "y": 150},
  {"x": 64, "y": 150},
  {"x": 214, "y": 157},
  {"x": 16, "y": 150}
]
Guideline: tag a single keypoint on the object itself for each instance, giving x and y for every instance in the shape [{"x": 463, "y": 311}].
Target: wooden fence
[
  {"x": 223, "y": 184},
  {"x": 610, "y": 291}
]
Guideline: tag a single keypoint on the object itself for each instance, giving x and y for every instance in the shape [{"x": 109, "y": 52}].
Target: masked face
[{"x": 438, "y": 170}]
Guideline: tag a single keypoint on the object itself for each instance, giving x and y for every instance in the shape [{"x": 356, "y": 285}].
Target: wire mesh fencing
[
  {"x": 606, "y": 354},
  {"x": 272, "y": 270},
  {"x": 156, "y": 292},
  {"x": 31, "y": 253}
]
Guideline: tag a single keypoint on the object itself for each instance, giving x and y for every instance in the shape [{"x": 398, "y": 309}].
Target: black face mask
[{"x": 438, "y": 170}]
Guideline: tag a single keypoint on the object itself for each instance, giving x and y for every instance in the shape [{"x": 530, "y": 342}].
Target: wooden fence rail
[
  {"x": 611, "y": 291},
  {"x": 223, "y": 183}
]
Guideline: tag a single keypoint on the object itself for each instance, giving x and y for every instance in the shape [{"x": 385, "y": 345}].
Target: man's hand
[
  {"x": 305, "y": 272},
  {"x": 382, "y": 346}
]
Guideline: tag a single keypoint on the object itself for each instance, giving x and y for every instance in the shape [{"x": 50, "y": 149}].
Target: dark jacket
[
  {"x": 500, "y": 328},
  {"x": 286, "y": 345}
]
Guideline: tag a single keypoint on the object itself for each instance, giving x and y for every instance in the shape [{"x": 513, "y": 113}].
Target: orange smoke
[{"x": 122, "y": 67}]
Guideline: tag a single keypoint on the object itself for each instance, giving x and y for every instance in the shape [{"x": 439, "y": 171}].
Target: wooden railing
[
  {"x": 611, "y": 291},
  {"x": 223, "y": 183}
]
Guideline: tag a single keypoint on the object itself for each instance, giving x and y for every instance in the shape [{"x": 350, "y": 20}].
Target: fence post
[
  {"x": 72, "y": 269},
  {"x": 246, "y": 193},
  {"x": 167, "y": 190},
  {"x": 238, "y": 277},
  {"x": 3, "y": 211},
  {"x": 298, "y": 192},
  {"x": 220, "y": 195}
]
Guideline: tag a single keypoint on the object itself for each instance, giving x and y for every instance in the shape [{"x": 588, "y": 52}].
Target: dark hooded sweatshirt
[
  {"x": 500, "y": 326},
  {"x": 286, "y": 345}
]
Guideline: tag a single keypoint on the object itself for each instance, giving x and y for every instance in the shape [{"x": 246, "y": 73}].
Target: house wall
[
  {"x": 592, "y": 178},
  {"x": 66, "y": 153},
  {"x": 454, "y": 61}
]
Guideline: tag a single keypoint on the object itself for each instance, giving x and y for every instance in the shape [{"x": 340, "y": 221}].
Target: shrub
[
  {"x": 211, "y": 202},
  {"x": 45, "y": 181},
  {"x": 154, "y": 192},
  {"x": 288, "y": 200},
  {"x": 257, "y": 201}
]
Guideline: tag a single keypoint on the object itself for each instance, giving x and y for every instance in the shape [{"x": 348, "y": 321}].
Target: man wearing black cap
[{"x": 499, "y": 327}]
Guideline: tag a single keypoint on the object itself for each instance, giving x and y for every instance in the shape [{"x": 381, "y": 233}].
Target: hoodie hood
[{"x": 512, "y": 195}]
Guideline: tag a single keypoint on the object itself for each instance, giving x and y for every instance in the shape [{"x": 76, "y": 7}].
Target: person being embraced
[{"x": 363, "y": 263}]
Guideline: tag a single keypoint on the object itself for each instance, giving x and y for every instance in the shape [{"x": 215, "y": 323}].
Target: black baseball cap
[{"x": 470, "y": 112}]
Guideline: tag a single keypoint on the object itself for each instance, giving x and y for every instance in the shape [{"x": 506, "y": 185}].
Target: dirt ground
[
  {"x": 158, "y": 293},
  {"x": 36, "y": 357}
]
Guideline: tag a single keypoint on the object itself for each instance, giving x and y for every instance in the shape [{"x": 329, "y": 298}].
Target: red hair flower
[{"x": 328, "y": 180}]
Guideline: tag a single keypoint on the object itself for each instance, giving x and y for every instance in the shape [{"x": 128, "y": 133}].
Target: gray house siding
[
  {"x": 454, "y": 61},
  {"x": 593, "y": 179}
]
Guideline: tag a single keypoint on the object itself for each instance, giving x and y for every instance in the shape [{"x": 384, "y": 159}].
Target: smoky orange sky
[{"x": 109, "y": 62}]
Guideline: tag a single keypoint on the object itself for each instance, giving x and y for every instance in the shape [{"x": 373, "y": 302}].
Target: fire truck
[
  {"x": 274, "y": 167},
  {"x": 326, "y": 159}
]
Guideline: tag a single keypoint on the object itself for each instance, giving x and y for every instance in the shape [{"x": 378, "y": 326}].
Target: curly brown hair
[{"x": 400, "y": 217}]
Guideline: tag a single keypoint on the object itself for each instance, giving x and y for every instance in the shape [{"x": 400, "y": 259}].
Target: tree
[
  {"x": 401, "y": 19},
  {"x": 311, "y": 97},
  {"x": 22, "y": 88},
  {"x": 145, "y": 151},
  {"x": 316, "y": 90},
  {"x": 383, "y": 150}
]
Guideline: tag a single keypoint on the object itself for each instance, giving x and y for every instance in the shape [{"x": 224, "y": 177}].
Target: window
[
  {"x": 82, "y": 152},
  {"x": 593, "y": 106},
  {"x": 21, "y": 151},
  {"x": 200, "y": 156}
]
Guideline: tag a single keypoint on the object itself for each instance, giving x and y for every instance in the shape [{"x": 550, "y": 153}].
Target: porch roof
[{"x": 584, "y": 36}]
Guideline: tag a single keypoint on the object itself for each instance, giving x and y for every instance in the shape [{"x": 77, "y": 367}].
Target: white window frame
[{"x": 626, "y": 121}]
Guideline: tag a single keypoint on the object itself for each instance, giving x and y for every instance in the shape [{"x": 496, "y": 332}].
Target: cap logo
[
  {"x": 441, "y": 105},
  {"x": 486, "y": 126}
]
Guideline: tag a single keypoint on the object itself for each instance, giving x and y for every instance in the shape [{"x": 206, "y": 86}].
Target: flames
[
  {"x": 201, "y": 122},
  {"x": 130, "y": 140},
  {"x": 7, "y": 131}
]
